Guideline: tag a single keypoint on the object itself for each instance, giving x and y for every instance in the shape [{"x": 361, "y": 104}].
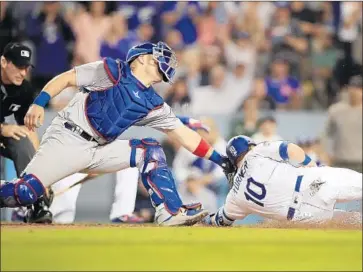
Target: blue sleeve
[
  {"x": 294, "y": 83},
  {"x": 184, "y": 120},
  {"x": 168, "y": 6},
  {"x": 283, "y": 151}
]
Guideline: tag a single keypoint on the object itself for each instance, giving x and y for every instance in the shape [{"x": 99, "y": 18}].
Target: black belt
[
  {"x": 291, "y": 212},
  {"x": 79, "y": 131}
]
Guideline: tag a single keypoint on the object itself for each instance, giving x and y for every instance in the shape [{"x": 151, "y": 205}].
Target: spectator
[
  {"x": 324, "y": 56},
  {"x": 138, "y": 13},
  {"x": 178, "y": 95},
  {"x": 248, "y": 125},
  {"x": 280, "y": 90},
  {"x": 344, "y": 129},
  {"x": 90, "y": 28},
  {"x": 174, "y": 39},
  {"x": 307, "y": 18},
  {"x": 314, "y": 150},
  {"x": 190, "y": 65},
  {"x": 240, "y": 51},
  {"x": 117, "y": 40},
  {"x": 254, "y": 18},
  {"x": 215, "y": 98},
  {"x": 8, "y": 26},
  {"x": 267, "y": 130},
  {"x": 194, "y": 191},
  {"x": 53, "y": 41},
  {"x": 182, "y": 16},
  {"x": 350, "y": 25},
  {"x": 287, "y": 39},
  {"x": 207, "y": 27},
  {"x": 211, "y": 57}
]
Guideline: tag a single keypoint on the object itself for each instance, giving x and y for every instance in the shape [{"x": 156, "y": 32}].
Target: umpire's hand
[
  {"x": 34, "y": 117},
  {"x": 14, "y": 131}
]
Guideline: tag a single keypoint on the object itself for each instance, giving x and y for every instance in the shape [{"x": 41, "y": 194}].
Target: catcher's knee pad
[
  {"x": 24, "y": 192},
  {"x": 156, "y": 176}
]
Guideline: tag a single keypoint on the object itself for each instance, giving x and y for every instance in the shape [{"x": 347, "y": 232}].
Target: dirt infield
[{"x": 273, "y": 224}]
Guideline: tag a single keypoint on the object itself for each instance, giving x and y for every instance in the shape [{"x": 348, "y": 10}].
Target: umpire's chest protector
[{"x": 111, "y": 111}]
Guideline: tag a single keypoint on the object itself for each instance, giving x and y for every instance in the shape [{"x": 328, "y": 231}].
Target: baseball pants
[{"x": 64, "y": 205}]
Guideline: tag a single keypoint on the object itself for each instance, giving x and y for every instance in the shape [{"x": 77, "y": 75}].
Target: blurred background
[{"x": 270, "y": 70}]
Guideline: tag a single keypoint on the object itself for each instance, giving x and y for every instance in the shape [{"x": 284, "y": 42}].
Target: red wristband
[{"x": 202, "y": 149}]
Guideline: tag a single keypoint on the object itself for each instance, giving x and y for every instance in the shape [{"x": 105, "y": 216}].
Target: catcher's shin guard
[
  {"x": 24, "y": 192},
  {"x": 156, "y": 176}
]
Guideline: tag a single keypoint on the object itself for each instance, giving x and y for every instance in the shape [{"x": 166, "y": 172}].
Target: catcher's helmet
[
  {"x": 237, "y": 146},
  {"x": 161, "y": 52}
]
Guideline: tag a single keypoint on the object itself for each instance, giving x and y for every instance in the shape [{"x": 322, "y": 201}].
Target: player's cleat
[
  {"x": 186, "y": 216},
  {"x": 128, "y": 219},
  {"x": 39, "y": 216},
  {"x": 39, "y": 212}
]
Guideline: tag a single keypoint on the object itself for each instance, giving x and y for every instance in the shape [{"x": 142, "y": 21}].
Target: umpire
[
  {"x": 16, "y": 97},
  {"x": 16, "y": 141}
]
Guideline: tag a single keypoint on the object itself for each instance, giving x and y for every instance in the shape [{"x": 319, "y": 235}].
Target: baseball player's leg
[
  {"x": 61, "y": 153},
  {"x": 125, "y": 193},
  {"x": 63, "y": 206},
  {"x": 342, "y": 185},
  {"x": 148, "y": 156},
  {"x": 19, "y": 151},
  {"x": 227, "y": 214}
]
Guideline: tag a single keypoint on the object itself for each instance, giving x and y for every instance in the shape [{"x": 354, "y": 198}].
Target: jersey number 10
[{"x": 254, "y": 196}]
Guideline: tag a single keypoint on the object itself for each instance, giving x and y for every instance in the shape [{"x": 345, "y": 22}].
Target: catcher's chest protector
[{"x": 110, "y": 112}]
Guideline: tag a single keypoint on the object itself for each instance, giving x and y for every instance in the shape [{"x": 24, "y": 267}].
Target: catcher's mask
[{"x": 162, "y": 53}]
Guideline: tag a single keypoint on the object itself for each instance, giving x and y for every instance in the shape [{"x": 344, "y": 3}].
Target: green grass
[{"x": 152, "y": 248}]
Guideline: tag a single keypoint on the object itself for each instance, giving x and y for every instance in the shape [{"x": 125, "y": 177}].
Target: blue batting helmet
[
  {"x": 161, "y": 52},
  {"x": 237, "y": 146}
]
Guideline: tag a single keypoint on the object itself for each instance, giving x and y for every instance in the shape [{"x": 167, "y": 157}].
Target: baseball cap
[
  {"x": 18, "y": 54},
  {"x": 356, "y": 81}
]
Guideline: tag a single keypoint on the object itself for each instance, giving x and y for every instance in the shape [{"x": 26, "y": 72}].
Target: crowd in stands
[{"x": 234, "y": 57}]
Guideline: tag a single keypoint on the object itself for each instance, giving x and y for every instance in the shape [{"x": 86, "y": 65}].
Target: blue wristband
[
  {"x": 42, "y": 99},
  {"x": 216, "y": 158},
  {"x": 307, "y": 160}
]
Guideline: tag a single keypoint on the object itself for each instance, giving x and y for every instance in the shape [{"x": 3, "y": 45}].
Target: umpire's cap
[{"x": 18, "y": 54}]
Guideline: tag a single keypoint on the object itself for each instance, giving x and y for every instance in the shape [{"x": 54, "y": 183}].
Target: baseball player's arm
[
  {"x": 194, "y": 143},
  {"x": 283, "y": 151},
  {"x": 164, "y": 119},
  {"x": 296, "y": 154},
  {"x": 91, "y": 75},
  {"x": 35, "y": 115}
]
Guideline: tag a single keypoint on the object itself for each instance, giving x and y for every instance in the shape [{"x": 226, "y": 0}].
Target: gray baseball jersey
[
  {"x": 94, "y": 77},
  {"x": 63, "y": 152}
]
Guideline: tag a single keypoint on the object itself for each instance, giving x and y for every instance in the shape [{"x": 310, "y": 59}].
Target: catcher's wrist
[{"x": 42, "y": 99}]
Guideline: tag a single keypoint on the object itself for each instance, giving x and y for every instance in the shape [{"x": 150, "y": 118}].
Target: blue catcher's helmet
[
  {"x": 161, "y": 52},
  {"x": 237, "y": 146}
]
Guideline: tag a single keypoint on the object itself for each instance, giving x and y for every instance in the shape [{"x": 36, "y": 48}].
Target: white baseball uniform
[
  {"x": 63, "y": 152},
  {"x": 63, "y": 207},
  {"x": 275, "y": 189}
]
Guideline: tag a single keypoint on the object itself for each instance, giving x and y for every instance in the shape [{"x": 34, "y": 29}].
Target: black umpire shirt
[{"x": 16, "y": 100}]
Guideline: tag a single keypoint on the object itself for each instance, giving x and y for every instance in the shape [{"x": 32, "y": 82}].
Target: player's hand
[
  {"x": 34, "y": 117},
  {"x": 14, "y": 131},
  {"x": 229, "y": 170}
]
